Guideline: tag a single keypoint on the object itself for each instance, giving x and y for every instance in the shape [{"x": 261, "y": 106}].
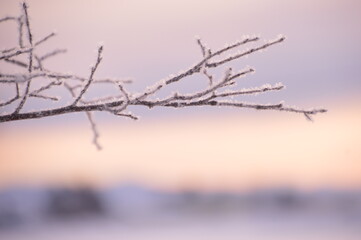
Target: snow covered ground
[
  {"x": 136, "y": 213},
  {"x": 257, "y": 228}
]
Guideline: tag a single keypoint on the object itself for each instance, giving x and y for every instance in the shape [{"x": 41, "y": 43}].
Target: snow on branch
[{"x": 217, "y": 93}]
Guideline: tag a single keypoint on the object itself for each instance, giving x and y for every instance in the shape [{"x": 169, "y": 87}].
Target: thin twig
[
  {"x": 90, "y": 118},
  {"x": 30, "y": 67},
  {"x": 7, "y": 19},
  {"x": 216, "y": 64},
  {"x": 44, "y": 39},
  {"x": 52, "y": 54},
  {"x": 99, "y": 58},
  {"x": 21, "y": 26},
  {"x": 17, "y": 96},
  {"x": 14, "y": 52},
  {"x": 94, "y": 130},
  {"x": 43, "y": 97}
]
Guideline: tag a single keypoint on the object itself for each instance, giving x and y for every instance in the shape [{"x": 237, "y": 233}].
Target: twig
[
  {"x": 30, "y": 67},
  {"x": 44, "y": 39},
  {"x": 21, "y": 26},
  {"x": 14, "y": 98},
  {"x": 7, "y": 19},
  {"x": 94, "y": 130},
  {"x": 14, "y": 52},
  {"x": 90, "y": 118},
  {"x": 239, "y": 55},
  {"x": 52, "y": 54},
  {"x": 99, "y": 58}
]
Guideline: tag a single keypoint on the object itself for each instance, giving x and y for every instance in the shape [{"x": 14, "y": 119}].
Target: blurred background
[{"x": 197, "y": 173}]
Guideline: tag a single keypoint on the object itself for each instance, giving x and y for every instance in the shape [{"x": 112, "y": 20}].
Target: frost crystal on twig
[{"x": 217, "y": 93}]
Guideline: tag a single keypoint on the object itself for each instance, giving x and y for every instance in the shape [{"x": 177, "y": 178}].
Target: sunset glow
[{"x": 210, "y": 152}]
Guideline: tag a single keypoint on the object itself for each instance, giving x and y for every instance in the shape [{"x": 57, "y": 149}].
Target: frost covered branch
[{"x": 218, "y": 92}]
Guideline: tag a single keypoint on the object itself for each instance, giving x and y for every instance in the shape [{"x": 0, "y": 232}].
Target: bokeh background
[{"x": 209, "y": 173}]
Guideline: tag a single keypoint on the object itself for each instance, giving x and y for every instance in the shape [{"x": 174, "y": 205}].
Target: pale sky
[{"x": 197, "y": 148}]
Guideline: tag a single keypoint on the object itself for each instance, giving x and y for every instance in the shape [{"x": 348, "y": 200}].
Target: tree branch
[{"x": 217, "y": 93}]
